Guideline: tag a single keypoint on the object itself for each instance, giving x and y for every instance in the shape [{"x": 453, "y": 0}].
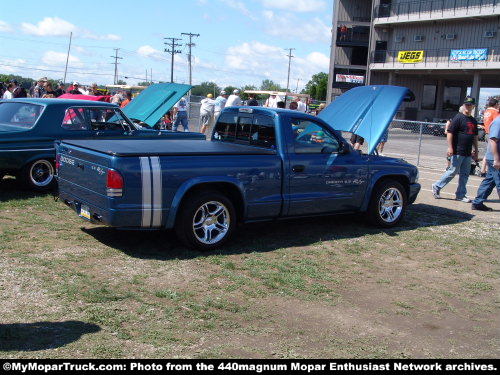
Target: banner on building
[
  {"x": 410, "y": 57},
  {"x": 477, "y": 54},
  {"x": 349, "y": 78}
]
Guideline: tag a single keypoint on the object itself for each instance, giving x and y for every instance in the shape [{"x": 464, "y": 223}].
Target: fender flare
[
  {"x": 376, "y": 178},
  {"x": 191, "y": 183}
]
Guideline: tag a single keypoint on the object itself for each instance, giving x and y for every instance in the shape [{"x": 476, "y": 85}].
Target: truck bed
[{"x": 166, "y": 147}]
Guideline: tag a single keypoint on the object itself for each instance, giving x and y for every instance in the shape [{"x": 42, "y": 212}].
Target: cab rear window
[
  {"x": 19, "y": 115},
  {"x": 256, "y": 130}
]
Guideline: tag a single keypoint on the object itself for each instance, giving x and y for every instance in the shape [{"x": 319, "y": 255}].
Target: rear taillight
[
  {"x": 114, "y": 184},
  {"x": 58, "y": 162}
]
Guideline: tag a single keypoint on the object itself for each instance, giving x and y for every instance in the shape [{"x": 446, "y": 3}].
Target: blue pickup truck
[{"x": 261, "y": 164}]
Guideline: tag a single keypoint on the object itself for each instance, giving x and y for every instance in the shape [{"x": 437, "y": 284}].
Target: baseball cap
[
  {"x": 13, "y": 81},
  {"x": 76, "y": 84},
  {"x": 223, "y": 92},
  {"x": 236, "y": 92},
  {"x": 470, "y": 100},
  {"x": 210, "y": 96}
]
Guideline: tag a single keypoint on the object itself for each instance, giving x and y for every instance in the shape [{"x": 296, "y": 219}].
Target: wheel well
[
  {"x": 403, "y": 180},
  {"x": 229, "y": 190}
]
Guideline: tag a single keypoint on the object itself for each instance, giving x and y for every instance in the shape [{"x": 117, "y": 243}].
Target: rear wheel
[
  {"x": 388, "y": 204},
  {"x": 206, "y": 221},
  {"x": 39, "y": 175}
]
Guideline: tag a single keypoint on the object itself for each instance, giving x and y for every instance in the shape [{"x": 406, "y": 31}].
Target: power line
[
  {"x": 116, "y": 57},
  {"x": 173, "y": 44},
  {"x": 190, "y": 45}
]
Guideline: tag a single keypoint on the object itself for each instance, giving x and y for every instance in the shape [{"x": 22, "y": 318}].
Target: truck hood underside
[{"x": 366, "y": 111}]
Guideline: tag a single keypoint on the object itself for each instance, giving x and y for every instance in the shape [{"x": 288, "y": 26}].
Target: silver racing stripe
[
  {"x": 146, "y": 191},
  {"x": 157, "y": 191}
]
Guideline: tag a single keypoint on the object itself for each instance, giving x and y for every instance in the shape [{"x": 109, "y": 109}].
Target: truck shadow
[
  {"x": 269, "y": 236},
  {"x": 29, "y": 337},
  {"x": 12, "y": 190}
]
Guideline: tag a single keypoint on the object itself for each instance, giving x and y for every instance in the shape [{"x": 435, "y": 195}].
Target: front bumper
[{"x": 412, "y": 194}]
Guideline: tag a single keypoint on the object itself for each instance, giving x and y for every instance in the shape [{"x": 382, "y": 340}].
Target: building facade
[{"x": 439, "y": 49}]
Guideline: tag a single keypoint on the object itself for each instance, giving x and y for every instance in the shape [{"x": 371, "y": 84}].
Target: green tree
[
  {"x": 23, "y": 81},
  {"x": 269, "y": 85},
  {"x": 121, "y": 82},
  {"x": 144, "y": 84},
  {"x": 248, "y": 87},
  {"x": 229, "y": 89},
  {"x": 317, "y": 86},
  {"x": 205, "y": 88}
]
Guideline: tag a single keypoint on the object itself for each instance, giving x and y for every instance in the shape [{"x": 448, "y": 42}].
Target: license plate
[{"x": 84, "y": 212}]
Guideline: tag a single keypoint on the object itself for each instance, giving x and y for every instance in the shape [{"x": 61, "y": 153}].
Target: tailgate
[{"x": 83, "y": 173}]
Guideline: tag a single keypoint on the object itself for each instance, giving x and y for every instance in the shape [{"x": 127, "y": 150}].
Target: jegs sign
[{"x": 410, "y": 57}]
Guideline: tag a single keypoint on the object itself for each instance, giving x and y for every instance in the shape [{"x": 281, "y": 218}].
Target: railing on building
[
  {"x": 435, "y": 57},
  {"x": 355, "y": 36},
  {"x": 433, "y": 7}
]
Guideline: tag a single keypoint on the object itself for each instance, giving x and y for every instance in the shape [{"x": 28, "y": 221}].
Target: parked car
[
  {"x": 29, "y": 127},
  {"x": 261, "y": 164}
]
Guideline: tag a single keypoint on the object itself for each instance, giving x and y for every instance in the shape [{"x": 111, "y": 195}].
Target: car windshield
[{"x": 19, "y": 115}]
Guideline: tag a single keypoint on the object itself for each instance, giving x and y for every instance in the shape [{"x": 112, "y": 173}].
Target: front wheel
[
  {"x": 388, "y": 204},
  {"x": 206, "y": 221},
  {"x": 39, "y": 175}
]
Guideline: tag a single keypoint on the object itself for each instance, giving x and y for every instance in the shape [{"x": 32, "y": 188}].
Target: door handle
[{"x": 298, "y": 168}]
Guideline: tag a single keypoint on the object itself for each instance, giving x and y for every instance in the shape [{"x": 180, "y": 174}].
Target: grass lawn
[{"x": 328, "y": 287}]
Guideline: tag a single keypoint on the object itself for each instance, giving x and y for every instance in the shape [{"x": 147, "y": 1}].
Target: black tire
[
  {"x": 192, "y": 210},
  {"x": 379, "y": 213},
  {"x": 39, "y": 175}
]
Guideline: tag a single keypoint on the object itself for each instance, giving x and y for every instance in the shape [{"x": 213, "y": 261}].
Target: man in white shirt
[
  {"x": 181, "y": 115},
  {"x": 206, "y": 112},
  {"x": 234, "y": 100},
  {"x": 220, "y": 103},
  {"x": 272, "y": 101},
  {"x": 301, "y": 106},
  {"x": 8, "y": 93}
]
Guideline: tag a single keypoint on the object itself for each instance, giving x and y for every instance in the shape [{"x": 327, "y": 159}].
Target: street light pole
[{"x": 67, "y": 57}]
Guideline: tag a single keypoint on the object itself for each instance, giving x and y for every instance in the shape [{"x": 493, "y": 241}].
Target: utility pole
[
  {"x": 116, "y": 57},
  {"x": 289, "y": 65},
  {"x": 146, "y": 76},
  {"x": 172, "y": 44},
  {"x": 190, "y": 45},
  {"x": 297, "y": 88},
  {"x": 67, "y": 57},
  {"x": 151, "y": 77}
]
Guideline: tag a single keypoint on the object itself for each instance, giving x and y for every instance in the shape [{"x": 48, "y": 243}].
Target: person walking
[
  {"x": 489, "y": 115},
  {"x": 272, "y": 101},
  {"x": 128, "y": 99},
  {"x": 234, "y": 100},
  {"x": 461, "y": 137},
  {"x": 181, "y": 115},
  {"x": 492, "y": 178},
  {"x": 383, "y": 141},
  {"x": 220, "y": 103},
  {"x": 206, "y": 112}
]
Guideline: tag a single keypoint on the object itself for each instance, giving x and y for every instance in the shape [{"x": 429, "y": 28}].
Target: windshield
[
  {"x": 19, "y": 115},
  {"x": 96, "y": 119}
]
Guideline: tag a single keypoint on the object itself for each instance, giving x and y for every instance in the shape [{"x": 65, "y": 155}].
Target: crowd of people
[{"x": 210, "y": 108}]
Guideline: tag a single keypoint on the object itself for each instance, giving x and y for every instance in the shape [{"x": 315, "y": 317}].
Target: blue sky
[{"x": 241, "y": 42}]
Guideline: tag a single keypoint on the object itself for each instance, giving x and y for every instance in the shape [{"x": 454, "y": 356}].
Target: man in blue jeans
[
  {"x": 461, "y": 136},
  {"x": 181, "y": 115},
  {"x": 493, "y": 177}
]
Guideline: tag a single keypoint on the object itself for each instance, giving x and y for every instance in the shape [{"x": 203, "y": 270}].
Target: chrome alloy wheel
[
  {"x": 390, "y": 205},
  {"x": 211, "y": 222},
  {"x": 41, "y": 173}
]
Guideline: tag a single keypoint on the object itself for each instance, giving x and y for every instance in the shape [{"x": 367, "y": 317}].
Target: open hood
[
  {"x": 151, "y": 104},
  {"x": 366, "y": 111}
]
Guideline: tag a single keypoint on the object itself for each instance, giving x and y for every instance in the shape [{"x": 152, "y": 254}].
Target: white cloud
[
  {"x": 150, "y": 52},
  {"x": 240, "y": 7},
  {"x": 267, "y": 61},
  {"x": 296, "y": 5},
  {"x": 312, "y": 31},
  {"x": 11, "y": 65},
  {"x": 55, "y": 26},
  {"x": 49, "y": 26},
  {"x": 53, "y": 58},
  {"x": 5, "y": 27}
]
